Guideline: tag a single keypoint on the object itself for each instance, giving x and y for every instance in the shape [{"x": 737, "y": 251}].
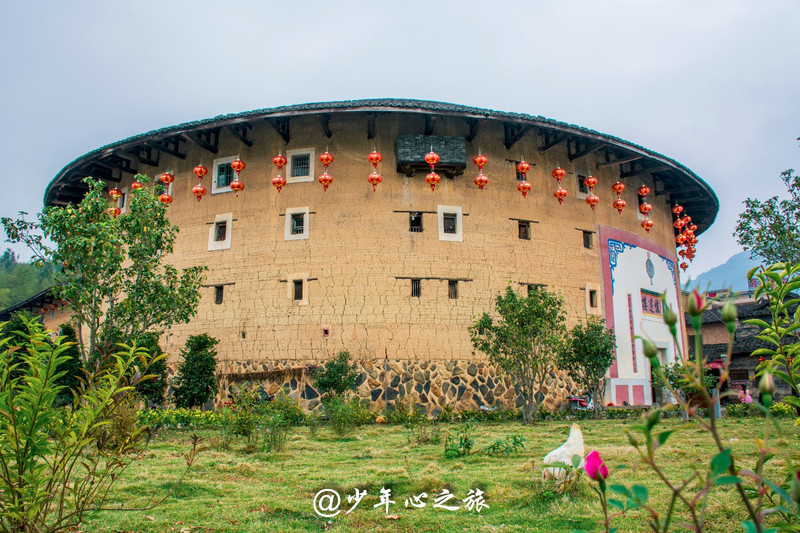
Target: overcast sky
[{"x": 711, "y": 84}]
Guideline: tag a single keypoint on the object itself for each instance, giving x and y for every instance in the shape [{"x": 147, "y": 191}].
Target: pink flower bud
[
  {"x": 696, "y": 303},
  {"x": 595, "y": 467}
]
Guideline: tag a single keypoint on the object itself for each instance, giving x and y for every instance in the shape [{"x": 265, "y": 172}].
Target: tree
[
  {"x": 587, "y": 356},
  {"x": 195, "y": 382},
  {"x": 153, "y": 390},
  {"x": 337, "y": 377},
  {"x": 71, "y": 367},
  {"x": 523, "y": 340},
  {"x": 770, "y": 230},
  {"x": 112, "y": 278}
]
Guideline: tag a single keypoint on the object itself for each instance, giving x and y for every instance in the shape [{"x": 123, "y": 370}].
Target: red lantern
[
  {"x": 200, "y": 171},
  {"x": 618, "y": 187},
  {"x": 115, "y": 193},
  {"x": 678, "y": 224},
  {"x": 279, "y": 182},
  {"x": 165, "y": 198},
  {"x": 523, "y": 167},
  {"x": 560, "y": 194},
  {"x": 686, "y": 219},
  {"x": 677, "y": 209},
  {"x": 325, "y": 179},
  {"x": 136, "y": 185},
  {"x": 619, "y": 205},
  {"x": 481, "y": 180},
  {"x": 432, "y": 158},
  {"x": 237, "y": 165},
  {"x": 167, "y": 178},
  {"x": 592, "y": 200},
  {"x": 644, "y": 190},
  {"x": 524, "y": 187},
  {"x": 761, "y": 359},
  {"x": 680, "y": 239},
  {"x": 480, "y": 161},
  {"x": 279, "y": 161},
  {"x": 374, "y": 158},
  {"x": 114, "y": 211},
  {"x": 645, "y": 208},
  {"x": 559, "y": 173},
  {"x": 375, "y": 179},
  {"x": 684, "y": 266},
  {"x": 199, "y": 191},
  {"x": 433, "y": 178},
  {"x": 648, "y": 224},
  {"x": 692, "y": 228},
  {"x": 237, "y": 186},
  {"x": 682, "y": 253},
  {"x": 590, "y": 182},
  {"x": 326, "y": 159}
]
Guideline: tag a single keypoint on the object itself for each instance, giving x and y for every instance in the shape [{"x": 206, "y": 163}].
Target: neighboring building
[
  {"x": 742, "y": 368},
  {"x": 397, "y": 275}
]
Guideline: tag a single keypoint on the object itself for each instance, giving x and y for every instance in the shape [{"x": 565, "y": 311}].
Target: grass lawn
[{"x": 231, "y": 490}]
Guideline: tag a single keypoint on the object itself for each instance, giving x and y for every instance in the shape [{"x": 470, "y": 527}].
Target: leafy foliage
[
  {"x": 153, "y": 390},
  {"x": 587, "y": 355},
  {"x": 195, "y": 382},
  {"x": 680, "y": 377},
  {"x": 71, "y": 367},
  {"x": 337, "y": 377},
  {"x": 112, "y": 274},
  {"x": 770, "y": 230},
  {"x": 461, "y": 445},
  {"x": 56, "y": 465},
  {"x": 523, "y": 340}
]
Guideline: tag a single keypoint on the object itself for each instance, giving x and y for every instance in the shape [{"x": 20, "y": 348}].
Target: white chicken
[{"x": 563, "y": 454}]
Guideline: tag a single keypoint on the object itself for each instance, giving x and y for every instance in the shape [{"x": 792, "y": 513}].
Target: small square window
[
  {"x": 301, "y": 165},
  {"x": 582, "y": 188},
  {"x": 416, "y": 288},
  {"x": 593, "y": 299},
  {"x": 121, "y": 200},
  {"x": 449, "y": 223},
  {"x": 224, "y": 175},
  {"x": 452, "y": 289},
  {"x": 520, "y": 176},
  {"x": 587, "y": 240},
  {"x": 298, "y": 290},
  {"x": 298, "y": 223},
  {"x": 524, "y": 230},
  {"x": 218, "y": 294},
  {"x": 415, "y": 222},
  {"x": 220, "y": 231}
]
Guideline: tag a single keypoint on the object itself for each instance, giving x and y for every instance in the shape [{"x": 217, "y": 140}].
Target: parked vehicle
[{"x": 581, "y": 403}]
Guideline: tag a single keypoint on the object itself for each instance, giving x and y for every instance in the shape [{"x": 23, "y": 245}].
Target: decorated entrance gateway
[{"x": 382, "y": 227}]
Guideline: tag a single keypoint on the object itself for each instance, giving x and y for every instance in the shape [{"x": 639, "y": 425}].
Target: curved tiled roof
[{"x": 687, "y": 186}]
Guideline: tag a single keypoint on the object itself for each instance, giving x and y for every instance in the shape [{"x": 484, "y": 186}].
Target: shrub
[
  {"x": 276, "y": 432},
  {"x": 289, "y": 410},
  {"x": 72, "y": 367},
  {"x": 196, "y": 383},
  {"x": 362, "y": 414},
  {"x": 340, "y": 415},
  {"x": 152, "y": 390},
  {"x": 337, "y": 376},
  {"x": 401, "y": 412},
  {"x": 512, "y": 444},
  {"x": 462, "y": 446},
  {"x": 245, "y": 413}
]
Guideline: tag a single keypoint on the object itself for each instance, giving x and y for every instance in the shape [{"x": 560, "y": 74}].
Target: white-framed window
[
  {"x": 122, "y": 201},
  {"x": 593, "y": 306},
  {"x": 296, "y": 224},
  {"x": 300, "y": 165},
  {"x": 582, "y": 191},
  {"x": 222, "y": 174},
  {"x": 450, "y": 222},
  {"x": 219, "y": 233},
  {"x": 164, "y": 187}
]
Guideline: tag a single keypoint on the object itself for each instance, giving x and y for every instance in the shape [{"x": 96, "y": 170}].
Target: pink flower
[{"x": 595, "y": 467}]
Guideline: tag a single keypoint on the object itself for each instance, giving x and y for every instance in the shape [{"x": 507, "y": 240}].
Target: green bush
[
  {"x": 288, "y": 409},
  {"x": 246, "y": 412},
  {"x": 72, "y": 368},
  {"x": 153, "y": 390},
  {"x": 460, "y": 446},
  {"x": 741, "y": 410},
  {"x": 196, "y": 382},
  {"x": 276, "y": 432},
  {"x": 340, "y": 415},
  {"x": 181, "y": 418},
  {"x": 401, "y": 412},
  {"x": 337, "y": 376}
]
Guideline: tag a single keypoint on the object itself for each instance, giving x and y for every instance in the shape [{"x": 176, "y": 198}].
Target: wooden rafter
[
  {"x": 169, "y": 145},
  {"x": 620, "y": 161},
  {"x": 281, "y": 125},
  {"x": 474, "y": 127},
  {"x": 240, "y": 132},
  {"x": 118, "y": 162},
  {"x": 144, "y": 154},
  {"x": 586, "y": 150},
  {"x": 206, "y": 139},
  {"x": 324, "y": 121},
  {"x": 370, "y": 125},
  {"x": 513, "y": 132},
  {"x": 552, "y": 139},
  {"x": 642, "y": 170}
]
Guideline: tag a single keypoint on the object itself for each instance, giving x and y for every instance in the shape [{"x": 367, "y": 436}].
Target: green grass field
[{"x": 232, "y": 490}]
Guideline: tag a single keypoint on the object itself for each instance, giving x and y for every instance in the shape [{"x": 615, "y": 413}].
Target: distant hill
[{"x": 733, "y": 274}]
